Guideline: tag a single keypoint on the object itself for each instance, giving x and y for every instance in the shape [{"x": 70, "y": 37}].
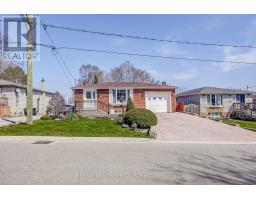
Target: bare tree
[
  {"x": 127, "y": 72},
  {"x": 56, "y": 105},
  {"x": 91, "y": 74}
]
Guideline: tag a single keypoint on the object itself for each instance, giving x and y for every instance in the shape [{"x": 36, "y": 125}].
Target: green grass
[
  {"x": 99, "y": 127},
  {"x": 244, "y": 124}
]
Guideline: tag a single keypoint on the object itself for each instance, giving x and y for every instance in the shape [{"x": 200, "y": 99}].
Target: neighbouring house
[
  {"x": 13, "y": 99},
  {"x": 214, "y": 102},
  {"x": 111, "y": 97}
]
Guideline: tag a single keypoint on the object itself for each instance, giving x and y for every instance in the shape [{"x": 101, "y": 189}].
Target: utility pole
[{"x": 29, "y": 72}]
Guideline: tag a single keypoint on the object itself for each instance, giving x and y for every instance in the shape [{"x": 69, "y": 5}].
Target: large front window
[
  {"x": 214, "y": 99},
  {"x": 120, "y": 96}
]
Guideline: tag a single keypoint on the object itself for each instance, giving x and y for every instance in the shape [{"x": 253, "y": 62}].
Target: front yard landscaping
[
  {"x": 243, "y": 124},
  {"x": 98, "y": 127}
]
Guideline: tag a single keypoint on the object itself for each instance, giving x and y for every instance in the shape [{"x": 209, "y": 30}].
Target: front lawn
[
  {"x": 100, "y": 127},
  {"x": 244, "y": 124}
]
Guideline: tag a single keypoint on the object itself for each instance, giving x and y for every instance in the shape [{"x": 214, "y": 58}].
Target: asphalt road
[{"x": 117, "y": 162}]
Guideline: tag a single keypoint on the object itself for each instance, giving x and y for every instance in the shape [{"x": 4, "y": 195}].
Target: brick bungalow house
[{"x": 111, "y": 97}]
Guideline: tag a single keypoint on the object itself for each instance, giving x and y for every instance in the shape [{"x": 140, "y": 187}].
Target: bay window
[{"x": 214, "y": 99}]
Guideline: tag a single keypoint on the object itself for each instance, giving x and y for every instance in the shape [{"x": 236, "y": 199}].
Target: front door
[{"x": 90, "y": 99}]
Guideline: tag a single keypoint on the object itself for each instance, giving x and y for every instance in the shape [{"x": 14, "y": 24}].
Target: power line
[
  {"x": 147, "y": 55},
  {"x": 58, "y": 54},
  {"x": 66, "y": 75},
  {"x": 147, "y": 38}
]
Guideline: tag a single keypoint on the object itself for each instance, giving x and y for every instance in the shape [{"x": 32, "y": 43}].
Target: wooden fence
[{"x": 192, "y": 108}]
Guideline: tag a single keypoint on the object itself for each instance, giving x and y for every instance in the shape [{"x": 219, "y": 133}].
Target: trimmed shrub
[
  {"x": 130, "y": 104},
  {"x": 144, "y": 118},
  {"x": 45, "y": 117},
  {"x": 72, "y": 116}
]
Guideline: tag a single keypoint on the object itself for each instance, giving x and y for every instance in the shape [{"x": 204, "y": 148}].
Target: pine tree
[
  {"x": 96, "y": 79},
  {"x": 130, "y": 104}
]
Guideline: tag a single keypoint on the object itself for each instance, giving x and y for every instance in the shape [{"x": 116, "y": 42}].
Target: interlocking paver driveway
[{"x": 186, "y": 127}]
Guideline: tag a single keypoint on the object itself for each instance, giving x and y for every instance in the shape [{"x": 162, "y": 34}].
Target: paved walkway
[{"x": 186, "y": 127}]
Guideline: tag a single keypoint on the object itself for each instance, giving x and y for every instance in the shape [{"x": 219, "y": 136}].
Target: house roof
[
  {"x": 17, "y": 85},
  {"x": 212, "y": 90},
  {"x": 135, "y": 85}
]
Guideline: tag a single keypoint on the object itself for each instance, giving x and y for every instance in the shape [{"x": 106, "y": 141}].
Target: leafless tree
[
  {"x": 91, "y": 74},
  {"x": 56, "y": 105},
  {"x": 127, "y": 72}
]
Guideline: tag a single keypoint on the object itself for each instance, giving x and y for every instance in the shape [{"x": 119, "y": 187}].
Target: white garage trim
[{"x": 158, "y": 101}]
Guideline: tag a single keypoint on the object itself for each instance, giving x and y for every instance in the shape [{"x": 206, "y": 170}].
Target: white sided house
[
  {"x": 13, "y": 99},
  {"x": 215, "y": 102}
]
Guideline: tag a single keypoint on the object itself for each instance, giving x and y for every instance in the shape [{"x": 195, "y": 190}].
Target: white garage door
[{"x": 158, "y": 101}]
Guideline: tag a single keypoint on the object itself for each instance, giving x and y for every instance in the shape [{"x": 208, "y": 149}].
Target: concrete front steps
[{"x": 93, "y": 113}]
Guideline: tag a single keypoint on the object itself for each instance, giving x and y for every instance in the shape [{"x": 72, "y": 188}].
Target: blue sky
[{"x": 230, "y": 29}]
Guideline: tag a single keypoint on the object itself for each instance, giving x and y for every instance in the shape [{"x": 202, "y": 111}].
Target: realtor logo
[{"x": 15, "y": 38}]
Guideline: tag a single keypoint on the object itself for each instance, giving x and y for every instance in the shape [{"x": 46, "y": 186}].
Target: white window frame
[
  {"x": 217, "y": 103},
  {"x": 127, "y": 94},
  {"x": 92, "y": 96}
]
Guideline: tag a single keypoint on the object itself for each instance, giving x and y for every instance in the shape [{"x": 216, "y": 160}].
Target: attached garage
[{"x": 158, "y": 101}]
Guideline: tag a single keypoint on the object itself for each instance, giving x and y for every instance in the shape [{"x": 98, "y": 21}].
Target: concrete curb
[
  {"x": 31, "y": 139},
  {"x": 74, "y": 139}
]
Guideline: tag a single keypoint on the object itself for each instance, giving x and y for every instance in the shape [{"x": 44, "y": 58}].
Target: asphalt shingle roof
[
  {"x": 12, "y": 84},
  {"x": 212, "y": 90},
  {"x": 135, "y": 85}
]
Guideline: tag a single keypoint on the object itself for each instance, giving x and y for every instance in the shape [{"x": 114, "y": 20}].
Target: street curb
[
  {"x": 33, "y": 139},
  {"x": 73, "y": 139}
]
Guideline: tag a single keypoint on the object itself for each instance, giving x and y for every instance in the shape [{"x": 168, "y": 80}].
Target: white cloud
[
  {"x": 185, "y": 75},
  {"x": 231, "y": 54},
  {"x": 171, "y": 50}
]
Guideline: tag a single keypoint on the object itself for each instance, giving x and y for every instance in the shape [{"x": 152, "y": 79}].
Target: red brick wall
[
  {"x": 139, "y": 98},
  {"x": 103, "y": 100},
  {"x": 79, "y": 99},
  {"x": 103, "y": 96}
]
